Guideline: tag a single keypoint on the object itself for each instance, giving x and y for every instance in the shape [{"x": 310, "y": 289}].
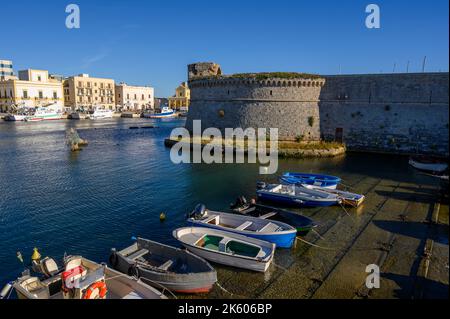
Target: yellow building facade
[
  {"x": 87, "y": 93},
  {"x": 181, "y": 99},
  {"x": 32, "y": 89}
]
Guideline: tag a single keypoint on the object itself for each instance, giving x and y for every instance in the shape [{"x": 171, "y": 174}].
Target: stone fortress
[{"x": 399, "y": 113}]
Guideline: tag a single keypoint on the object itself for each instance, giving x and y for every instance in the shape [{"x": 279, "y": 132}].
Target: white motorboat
[
  {"x": 166, "y": 112},
  {"x": 227, "y": 248},
  {"x": 45, "y": 113},
  {"x": 101, "y": 114},
  {"x": 81, "y": 279},
  {"x": 429, "y": 164}
]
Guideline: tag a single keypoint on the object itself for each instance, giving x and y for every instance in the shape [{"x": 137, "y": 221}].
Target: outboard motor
[
  {"x": 261, "y": 185},
  {"x": 199, "y": 212}
]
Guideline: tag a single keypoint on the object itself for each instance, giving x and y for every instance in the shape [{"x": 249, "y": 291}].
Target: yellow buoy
[
  {"x": 162, "y": 217},
  {"x": 36, "y": 255}
]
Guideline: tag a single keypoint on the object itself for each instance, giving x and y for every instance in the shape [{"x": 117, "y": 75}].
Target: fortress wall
[
  {"x": 389, "y": 112},
  {"x": 401, "y": 113},
  {"x": 247, "y": 103}
]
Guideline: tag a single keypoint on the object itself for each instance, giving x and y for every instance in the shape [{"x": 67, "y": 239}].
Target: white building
[
  {"x": 34, "y": 88},
  {"x": 134, "y": 98}
]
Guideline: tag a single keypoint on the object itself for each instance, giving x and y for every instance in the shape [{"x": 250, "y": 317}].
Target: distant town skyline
[{"x": 151, "y": 43}]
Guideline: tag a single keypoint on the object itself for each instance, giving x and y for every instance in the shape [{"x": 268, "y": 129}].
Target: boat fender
[
  {"x": 5, "y": 291},
  {"x": 99, "y": 286},
  {"x": 133, "y": 271},
  {"x": 113, "y": 260}
]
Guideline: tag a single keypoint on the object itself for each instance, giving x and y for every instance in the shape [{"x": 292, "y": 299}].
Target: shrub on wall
[
  {"x": 311, "y": 121},
  {"x": 221, "y": 113}
]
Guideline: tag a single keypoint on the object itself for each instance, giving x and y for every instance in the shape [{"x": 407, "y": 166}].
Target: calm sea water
[{"x": 115, "y": 188}]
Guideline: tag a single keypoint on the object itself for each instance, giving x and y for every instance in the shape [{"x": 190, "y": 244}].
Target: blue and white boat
[
  {"x": 296, "y": 195},
  {"x": 319, "y": 180},
  {"x": 166, "y": 112},
  {"x": 278, "y": 233}
]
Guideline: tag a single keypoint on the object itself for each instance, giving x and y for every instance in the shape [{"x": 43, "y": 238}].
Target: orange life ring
[{"x": 100, "y": 286}]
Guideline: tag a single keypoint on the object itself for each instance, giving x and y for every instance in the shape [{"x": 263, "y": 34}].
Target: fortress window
[
  {"x": 228, "y": 92},
  {"x": 271, "y": 92}
]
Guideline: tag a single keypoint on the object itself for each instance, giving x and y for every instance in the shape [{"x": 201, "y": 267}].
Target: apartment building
[
  {"x": 134, "y": 98},
  {"x": 86, "y": 93},
  {"x": 6, "y": 70},
  {"x": 33, "y": 88}
]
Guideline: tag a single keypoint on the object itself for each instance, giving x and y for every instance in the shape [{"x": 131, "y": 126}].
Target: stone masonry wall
[
  {"x": 401, "y": 113},
  {"x": 289, "y": 105}
]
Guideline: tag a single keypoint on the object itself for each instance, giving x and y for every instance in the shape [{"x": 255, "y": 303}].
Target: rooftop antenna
[
  {"x": 424, "y": 62},
  {"x": 395, "y": 65},
  {"x": 407, "y": 67}
]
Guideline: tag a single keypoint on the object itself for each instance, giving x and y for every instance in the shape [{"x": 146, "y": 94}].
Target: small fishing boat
[
  {"x": 100, "y": 113},
  {"x": 296, "y": 195},
  {"x": 429, "y": 164},
  {"x": 348, "y": 198},
  {"x": 227, "y": 248},
  {"x": 46, "y": 113},
  {"x": 169, "y": 267},
  {"x": 302, "y": 223},
  {"x": 166, "y": 112},
  {"x": 81, "y": 279},
  {"x": 15, "y": 117},
  {"x": 281, "y": 234},
  {"x": 326, "y": 181}
]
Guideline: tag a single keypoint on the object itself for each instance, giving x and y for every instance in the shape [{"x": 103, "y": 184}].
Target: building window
[
  {"x": 39, "y": 78},
  {"x": 128, "y": 96},
  {"x": 143, "y": 97},
  {"x": 55, "y": 95},
  {"x": 25, "y": 94},
  {"x": 80, "y": 84},
  {"x": 41, "y": 95}
]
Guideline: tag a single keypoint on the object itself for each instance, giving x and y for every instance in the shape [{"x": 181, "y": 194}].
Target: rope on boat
[{"x": 314, "y": 245}]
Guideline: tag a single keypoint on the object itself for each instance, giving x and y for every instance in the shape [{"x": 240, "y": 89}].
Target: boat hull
[
  {"x": 294, "y": 201},
  {"x": 231, "y": 261},
  {"x": 280, "y": 240},
  {"x": 428, "y": 167},
  {"x": 200, "y": 277},
  {"x": 190, "y": 236},
  {"x": 325, "y": 181},
  {"x": 302, "y": 224}
]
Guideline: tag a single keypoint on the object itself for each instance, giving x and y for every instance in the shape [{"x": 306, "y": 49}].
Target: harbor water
[{"x": 89, "y": 201}]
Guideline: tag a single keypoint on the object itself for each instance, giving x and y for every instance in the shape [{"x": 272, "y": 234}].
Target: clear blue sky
[{"x": 151, "y": 42}]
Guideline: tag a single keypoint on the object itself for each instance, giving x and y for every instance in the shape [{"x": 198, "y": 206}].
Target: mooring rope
[
  {"x": 218, "y": 285},
  {"x": 281, "y": 267},
  {"x": 317, "y": 233},
  {"x": 342, "y": 206},
  {"x": 314, "y": 245}
]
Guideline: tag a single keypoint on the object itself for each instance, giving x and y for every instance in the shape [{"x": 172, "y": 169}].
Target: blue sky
[{"x": 151, "y": 42}]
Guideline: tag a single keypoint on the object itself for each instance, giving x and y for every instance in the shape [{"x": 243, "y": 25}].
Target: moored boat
[
  {"x": 348, "y": 198},
  {"x": 326, "y": 181},
  {"x": 81, "y": 279},
  {"x": 100, "y": 113},
  {"x": 279, "y": 233},
  {"x": 15, "y": 117},
  {"x": 166, "y": 112},
  {"x": 296, "y": 195},
  {"x": 46, "y": 113},
  {"x": 302, "y": 223},
  {"x": 227, "y": 248},
  {"x": 169, "y": 267},
  {"x": 429, "y": 164}
]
